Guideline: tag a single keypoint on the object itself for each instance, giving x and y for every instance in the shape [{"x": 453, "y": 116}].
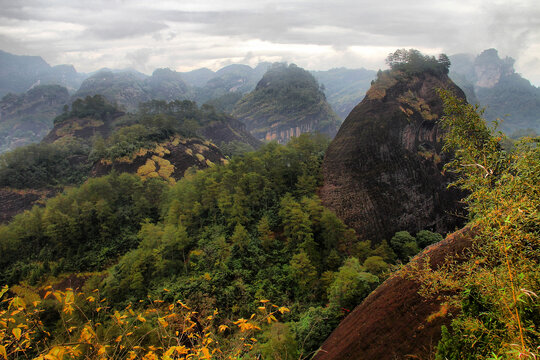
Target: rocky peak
[
  {"x": 383, "y": 172},
  {"x": 489, "y": 68},
  {"x": 286, "y": 102}
]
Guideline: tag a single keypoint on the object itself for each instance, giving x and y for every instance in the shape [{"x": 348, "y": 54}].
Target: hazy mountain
[
  {"x": 28, "y": 117},
  {"x": 130, "y": 88},
  {"x": 198, "y": 77},
  {"x": 286, "y": 102},
  {"x": 229, "y": 84},
  {"x": 344, "y": 88},
  {"x": 19, "y": 73},
  {"x": 493, "y": 83}
]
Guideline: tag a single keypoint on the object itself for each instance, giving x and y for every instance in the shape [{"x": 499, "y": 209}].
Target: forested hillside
[
  {"x": 222, "y": 238},
  {"x": 286, "y": 103}
]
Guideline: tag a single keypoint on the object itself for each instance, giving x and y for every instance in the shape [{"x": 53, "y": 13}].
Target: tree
[
  {"x": 425, "y": 238},
  {"x": 240, "y": 236},
  {"x": 404, "y": 244},
  {"x": 414, "y": 62},
  {"x": 303, "y": 273},
  {"x": 375, "y": 265},
  {"x": 351, "y": 285},
  {"x": 266, "y": 235},
  {"x": 281, "y": 344},
  {"x": 385, "y": 251}
]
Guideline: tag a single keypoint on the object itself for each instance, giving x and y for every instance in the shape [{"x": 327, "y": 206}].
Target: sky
[{"x": 184, "y": 35}]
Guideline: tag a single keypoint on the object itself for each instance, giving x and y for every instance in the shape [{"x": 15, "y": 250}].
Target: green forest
[{"x": 225, "y": 237}]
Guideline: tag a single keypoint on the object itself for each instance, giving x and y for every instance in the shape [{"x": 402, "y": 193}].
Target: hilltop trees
[{"x": 413, "y": 61}]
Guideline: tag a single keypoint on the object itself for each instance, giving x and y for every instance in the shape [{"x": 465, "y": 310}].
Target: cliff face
[
  {"x": 395, "y": 322},
  {"x": 286, "y": 102},
  {"x": 383, "y": 171},
  {"x": 229, "y": 131}
]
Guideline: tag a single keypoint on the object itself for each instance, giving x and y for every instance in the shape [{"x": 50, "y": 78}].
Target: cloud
[
  {"x": 139, "y": 59},
  {"x": 320, "y": 33},
  {"x": 124, "y": 29}
]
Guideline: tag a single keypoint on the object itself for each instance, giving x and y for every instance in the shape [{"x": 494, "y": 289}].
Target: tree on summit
[{"x": 413, "y": 61}]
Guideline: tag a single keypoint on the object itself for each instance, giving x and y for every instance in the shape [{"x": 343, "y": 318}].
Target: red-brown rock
[
  {"x": 392, "y": 322},
  {"x": 383, "y": 172}
]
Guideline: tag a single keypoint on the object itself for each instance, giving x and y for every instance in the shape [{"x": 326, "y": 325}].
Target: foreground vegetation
[
  {"x": 497, "y": 286},
  {"x": 223, "y": 238}
]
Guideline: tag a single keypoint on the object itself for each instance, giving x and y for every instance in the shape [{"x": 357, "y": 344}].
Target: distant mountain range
[
  {"x": 20, "y": 73},
  {"x": 25, "y": 117},
  {"x": 344, "y": 88}
]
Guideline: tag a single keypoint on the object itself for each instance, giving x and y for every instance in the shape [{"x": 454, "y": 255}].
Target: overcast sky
[{"x": 318, "y": 35}]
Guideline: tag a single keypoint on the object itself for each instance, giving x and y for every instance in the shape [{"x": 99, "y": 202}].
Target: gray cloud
[
  {"x": 315, "y": 33},
  {"x": 124, "y": 29}
]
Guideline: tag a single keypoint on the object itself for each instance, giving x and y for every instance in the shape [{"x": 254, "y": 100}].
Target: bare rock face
[
  {"x": 395, "y": 322},
  {"x": 13, "y": 201},
  {"x": 383, "y": 172},
  {"x": 489, "y": 68}
]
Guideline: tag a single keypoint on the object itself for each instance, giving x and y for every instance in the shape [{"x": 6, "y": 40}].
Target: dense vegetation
[
  {"x": 414, "y": 62},
  {"x": 44, "y": 165},
  {"x": 157, "y": 121},
  {"x": 220, "y": 238},
  {"x": 69, "y": 159},
  {"x": 497, "y": 285},
  {"x": 91, "y": 106},
  {"x": 84, "y": 229}
]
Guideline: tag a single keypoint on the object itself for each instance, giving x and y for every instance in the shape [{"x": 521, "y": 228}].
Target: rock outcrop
[
  {"x": 383, "y": 172},
  {"x": 13, "y": 201},
  {"x": 286, "y": 102},
  {"x": 492, "y": 82},
  {"x": 168, "y": 160},
  {"x": 394, "y": 321}
]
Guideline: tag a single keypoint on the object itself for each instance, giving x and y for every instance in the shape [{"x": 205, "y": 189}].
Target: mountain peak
[
  {"x": 286, "y": 102},
  {"x": 383, "y": 172}
]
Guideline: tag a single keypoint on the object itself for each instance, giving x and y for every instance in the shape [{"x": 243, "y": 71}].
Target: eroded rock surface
[
  {"x": 394, "y": 321},
  {"x": 383, "y": 172}
]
